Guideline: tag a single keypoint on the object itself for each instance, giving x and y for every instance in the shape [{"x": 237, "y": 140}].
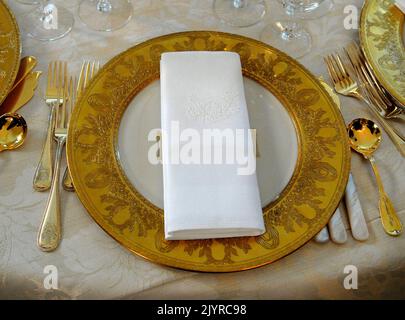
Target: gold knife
[
  {"x": 21, "y": 94},
  {"x": 27, "y": 64}
]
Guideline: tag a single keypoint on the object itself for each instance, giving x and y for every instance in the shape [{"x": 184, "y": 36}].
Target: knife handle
[
  {"x": 337, "y": 229},
  {"x": 355, "y": 212},
  {"x": 322, "y": 236},
  {"x": 43, "y": 174}
]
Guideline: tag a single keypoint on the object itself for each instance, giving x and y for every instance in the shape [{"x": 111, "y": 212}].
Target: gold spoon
[
  {"x": 13, "y": 130},
  {"x": 365, "y": 138}
]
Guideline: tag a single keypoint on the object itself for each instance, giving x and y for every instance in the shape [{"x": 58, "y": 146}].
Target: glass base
[
  {"x": 315, "y": 11},
  {"x": 108, "y": 16},
  {"x": 35, "y": 26},
  {"x": 28, "y": 1},
  {"x": 243, "y": 13},
  {"x": 288, "y": 36}
]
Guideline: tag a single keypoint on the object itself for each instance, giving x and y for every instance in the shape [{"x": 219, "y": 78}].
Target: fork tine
[
  {"x": 60, "y": 74},
  {"x": 87, "y": 75},
  {"x": 352, "y": 59},
  {"x": 354, "y": 62},
  {"x": 342, "y": 66},
  {"x": 58, "y": 109},
  {"x": 60, "y": 82},
  {"x": 338, "y": 72},
  {"x": 50, "y": 73},
  {"x": 71, "y": 101},
  {"x": 72, "y": 96},
  {"x": 331, "y": 69},
  {"x": 93, "y": 66},
  {"x": 64, "y": 105},
  {"x": 65, "y": 73},
  {"x": 95, "y": 69},
  {"x": 340, "y": 69},
  {"x": 81, "y": 78},
  {"x": 55, "y": 74},
  {"x": 57, "y": 117},
  {"x": 356, "y": 53}
]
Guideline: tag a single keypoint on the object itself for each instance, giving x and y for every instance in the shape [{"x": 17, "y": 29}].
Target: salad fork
[
  {"x": 49, "y": 234},
  {"x": 87, "y": 72}
]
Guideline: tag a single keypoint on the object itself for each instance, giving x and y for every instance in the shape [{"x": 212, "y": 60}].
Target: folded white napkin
[
  {"x": 401, "y": 5},
  {"x": 199, "y": 91}
]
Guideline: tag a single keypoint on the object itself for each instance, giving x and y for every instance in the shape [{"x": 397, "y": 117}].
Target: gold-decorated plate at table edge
[
  {"x": 299, "y": 213},
  {"x": 10, "y": 50},
  {"x": 381, "y": 38}
]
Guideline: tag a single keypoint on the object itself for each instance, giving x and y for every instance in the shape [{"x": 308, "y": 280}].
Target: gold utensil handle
[
  {"x": 43, "y": 173},
  {"x": 67, "y": 181},
  {"x": 49, "y": 234},
  {"x": 396, "y": 138},
  {"x": 390, "y": 220}
]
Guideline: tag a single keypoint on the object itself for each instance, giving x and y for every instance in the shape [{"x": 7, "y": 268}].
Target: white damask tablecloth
[{"x": 90, "y": 264}]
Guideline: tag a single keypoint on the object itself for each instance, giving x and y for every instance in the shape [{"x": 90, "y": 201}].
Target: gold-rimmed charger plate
[
  {"x": 10, "y": 50},
  {"x": 301, "y": 210},
  {"x": 381, "y": 37}
]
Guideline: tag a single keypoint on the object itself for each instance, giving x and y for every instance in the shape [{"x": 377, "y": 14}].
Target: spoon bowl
[
  {"x": 364, "y": 136},
  {"x": 13, "y": 131}
]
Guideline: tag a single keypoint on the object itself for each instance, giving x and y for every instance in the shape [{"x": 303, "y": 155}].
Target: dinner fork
[
  {"x": 87, "y": 72},
  {"x": 345, "y": 84},
  {"x": 57, "y": 75},
  {"x": 49, "y": 234},
  {"x": 367, "y": 79}
]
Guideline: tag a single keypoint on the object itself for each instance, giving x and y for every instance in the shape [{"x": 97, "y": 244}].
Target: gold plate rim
[
  {"x": 368, "y": 46},
  {"x": 74, "y": 135},
  {"x": 16, "y": 38}
]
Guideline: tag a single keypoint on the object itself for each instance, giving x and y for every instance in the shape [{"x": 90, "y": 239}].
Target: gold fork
[
  {"x": 344, "y": 84},
  {"x": 49, "y": 234},
  {"x": 87, "y": 72},
  {"x": 57, "y": 77},
  {"x": 377, "y": 94}
]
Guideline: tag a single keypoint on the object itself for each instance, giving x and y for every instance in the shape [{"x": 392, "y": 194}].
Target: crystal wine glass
[
  {"x": 240, "y": 13},
  {"x": 288, "y": 35},
  {"x": 105, "y": 15}
]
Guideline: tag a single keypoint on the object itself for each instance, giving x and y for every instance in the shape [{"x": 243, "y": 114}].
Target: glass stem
[
  {"x": 238, "y": 4},
  {"x": 104, "y": 6},
  {"x": 289, "y": 32},
  {"x": 43, "y": 8}
]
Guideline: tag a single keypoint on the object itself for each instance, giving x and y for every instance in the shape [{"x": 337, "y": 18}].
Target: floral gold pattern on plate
[
  {"x": 302, "y": 209},
  {"x": 10, "y": 50},
  {"x": 381, "y": 40}
]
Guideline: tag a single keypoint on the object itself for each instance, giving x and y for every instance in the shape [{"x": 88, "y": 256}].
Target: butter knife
[
  {"x": 337, "y": 230},
  {"x": 355, "y": 212},
  {"x": 21, "y": 94},
  {"x": 27, "y": 64}
]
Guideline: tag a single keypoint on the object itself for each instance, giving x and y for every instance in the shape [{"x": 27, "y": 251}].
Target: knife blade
[
  {"x": 21, "y": 94},
  {"x": 27, "y": 64}
]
